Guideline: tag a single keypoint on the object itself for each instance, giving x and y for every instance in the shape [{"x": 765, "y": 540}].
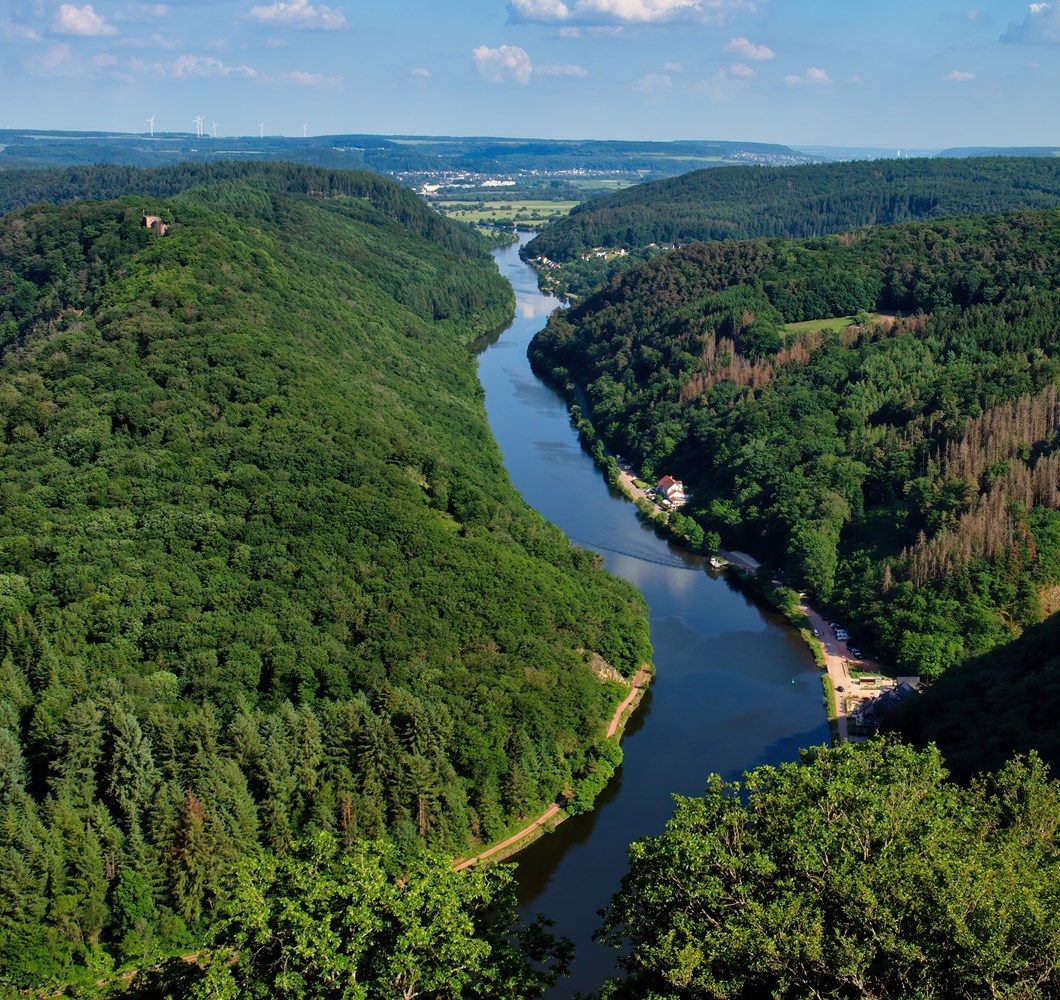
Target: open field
[
  {"x": 504, "y": 210},
  {"x": 835, "y": 323},
  {"x": 599, "y": 184}
]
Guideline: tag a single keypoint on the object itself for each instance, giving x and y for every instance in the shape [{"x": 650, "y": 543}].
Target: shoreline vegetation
[
  {"x": 752, "y": 576},
  {"x": 555, "y": 814}
]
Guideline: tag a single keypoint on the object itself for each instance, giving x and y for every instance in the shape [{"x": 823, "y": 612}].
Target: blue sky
[{"x": 901, "y": 73}]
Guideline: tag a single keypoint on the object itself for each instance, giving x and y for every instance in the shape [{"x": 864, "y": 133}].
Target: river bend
[{"x": 735, "y": 687}]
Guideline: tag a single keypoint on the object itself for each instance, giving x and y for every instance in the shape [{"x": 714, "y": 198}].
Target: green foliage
[
  {"x": 994, "y": 706},
  {"x": 859, "y": 872},
  {"x": 372, "y": 922},
  {"x": 261, "y": 571},
  {"x": 802, "y": 202},
  {"x": 903, "y": 470}
]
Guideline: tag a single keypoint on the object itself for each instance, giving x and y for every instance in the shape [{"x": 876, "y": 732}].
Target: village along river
[{"x": 735, "y": 687}]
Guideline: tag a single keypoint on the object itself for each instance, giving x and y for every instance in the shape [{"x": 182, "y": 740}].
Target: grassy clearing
[
  {"x": 507, "y": 210},
  {"x": 812, "y": 325},
  {"x": 596, "y": 184},
  {"x": 835, "y": 323}
]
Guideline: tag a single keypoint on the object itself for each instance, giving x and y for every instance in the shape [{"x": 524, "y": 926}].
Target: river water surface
[{"x": 735, "y": 687}]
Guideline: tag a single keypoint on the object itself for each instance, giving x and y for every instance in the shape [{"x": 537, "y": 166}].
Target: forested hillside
[
  {"x": 799, "y": 202},
  {"x": 261, "y": 571},
  {"x": 985, "y": 711},
  {"x": 902, "y": 464},
  {"x": 858, "y": 872}
]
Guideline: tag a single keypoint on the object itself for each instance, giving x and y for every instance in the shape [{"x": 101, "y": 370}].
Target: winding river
[{"x": 735, "y": 687}]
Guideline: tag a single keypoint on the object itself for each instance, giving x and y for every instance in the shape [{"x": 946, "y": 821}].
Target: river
[{"x": 735, "y": 687}]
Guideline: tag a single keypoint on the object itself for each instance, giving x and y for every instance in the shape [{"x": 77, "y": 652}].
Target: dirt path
[
  {"x": 639, "y": 682},
  {"x": 513, "y": 839},
  {"x": 634, "y": 691},
  {"x": 835, "y": 658}
]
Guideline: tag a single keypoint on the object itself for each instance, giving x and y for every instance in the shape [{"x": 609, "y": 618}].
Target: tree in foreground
[
  {"x": 859, "y": 872},
  {"x": 371, "y": 923}
]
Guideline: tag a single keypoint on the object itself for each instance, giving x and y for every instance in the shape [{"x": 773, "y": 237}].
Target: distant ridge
[
  {"x": 398, "y": 156},
  {"x": 800, "y": 202},
  {"x": 960, "y": 151}
]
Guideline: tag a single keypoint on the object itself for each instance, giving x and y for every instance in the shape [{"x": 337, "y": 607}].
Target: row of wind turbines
[{"x": 198, "y": 121}]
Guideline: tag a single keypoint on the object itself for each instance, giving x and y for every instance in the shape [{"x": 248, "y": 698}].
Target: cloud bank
[
  {"x": 84, "y": 21},
  {"x": 1040, "y": 26},
  {"x": 300, "y": 14},
  {"x": 506, "y": 64},
  {"x": 611, "y": 12},
  {"x": 814, "y": 75},
  {"x": 748, "y": 50}
]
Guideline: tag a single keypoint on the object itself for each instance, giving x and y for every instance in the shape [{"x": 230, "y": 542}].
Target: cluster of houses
[
  {"x": 604, "y": 252},
  {"x": 671, "y": 492}
]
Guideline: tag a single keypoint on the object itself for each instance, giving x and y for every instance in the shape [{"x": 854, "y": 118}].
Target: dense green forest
[
  {"x": 902, "y": 465},
  {"x": 994, "y": 706},
  {"x": 799, "y": 202},
  {"x": 262, "y": 575},
  {"x": 859, "y": 872}
]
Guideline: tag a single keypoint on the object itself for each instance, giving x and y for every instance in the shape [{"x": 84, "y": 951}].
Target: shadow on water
[{"x": 735, "y": 687}]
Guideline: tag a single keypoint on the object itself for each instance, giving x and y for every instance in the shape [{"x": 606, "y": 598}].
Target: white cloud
[
  {"x": 540, "y": 10},
  {"x": 626, "y": 11},
  {"x": 654, "y": 83},
  {"x": 748, "y": 50},
  {"x": 504, "y": 64},
  {"x": 58, "y": 55},
  {"x": 156, "y": 41},
  {"x": 142, "y": 12},
  {"x": 1040, "y": 26},
  {"x": 71, "y": 20},
  {"x": 210, "y": 66},
  {"x": 741, "y": 70},
  {"x": 814, "y": 75},
  {"x": 723, "y": 87},
  {"x": 420, "y": 71},
  {"x": 972, "y": 15},
  {"x": 674, "y": 68},
  {"x": 302, "y": 79},
  {"x": 591, "y": 31},
  {"x": 959, "y": 76},
  {"x": 22, "y": 32},
  {"x": 104, "y": 59},
  {"x": 300, "y": 14},
  {"x": 561, "y": 71}
]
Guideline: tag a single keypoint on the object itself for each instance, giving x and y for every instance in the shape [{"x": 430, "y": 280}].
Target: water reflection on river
[{"x": 734, "y": 687}]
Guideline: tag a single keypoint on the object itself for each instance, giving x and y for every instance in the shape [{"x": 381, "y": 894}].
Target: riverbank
[
  {"x": 554, "y": 814},
  {"x": 830, "y": 653},
  {"x": 733, "y": 688}
]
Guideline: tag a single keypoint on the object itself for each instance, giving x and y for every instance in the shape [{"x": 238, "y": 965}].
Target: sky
[{"x": 901, "y": 73}]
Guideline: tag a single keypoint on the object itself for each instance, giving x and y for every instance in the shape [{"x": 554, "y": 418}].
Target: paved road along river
[{"x": 735, "y": 687}]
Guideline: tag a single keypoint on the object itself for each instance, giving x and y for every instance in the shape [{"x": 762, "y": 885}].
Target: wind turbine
[
  {"x": 199, "y": 119},
  {"x": 304, "y": 127},
  {"x": 215, "y": 130},
  {"x": 261, "y": 130},
  {"x": 151, "y": 125}
]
